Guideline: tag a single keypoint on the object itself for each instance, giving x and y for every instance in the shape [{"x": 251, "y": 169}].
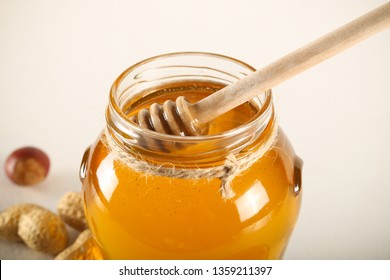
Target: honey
[
  {"x": 136, "y": 215},
  {"x": 195, "y": 91}
]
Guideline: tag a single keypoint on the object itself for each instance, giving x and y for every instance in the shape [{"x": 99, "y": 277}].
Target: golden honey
[{"x": 136, "y": 215}]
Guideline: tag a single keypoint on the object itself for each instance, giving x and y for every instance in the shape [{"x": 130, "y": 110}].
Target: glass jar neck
[{"x": 137, "y": 82}]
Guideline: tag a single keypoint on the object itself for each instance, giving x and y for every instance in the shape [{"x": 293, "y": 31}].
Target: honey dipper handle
[{"x": 292, "y": 64}]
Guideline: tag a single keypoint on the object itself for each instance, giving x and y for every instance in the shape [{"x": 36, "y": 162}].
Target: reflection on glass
[
  {"x": 252, "y": 201},
  {"x": 106, "y": 176}
]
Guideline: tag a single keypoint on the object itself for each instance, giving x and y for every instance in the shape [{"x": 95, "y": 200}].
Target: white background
[{"x": 58, "y": 60}]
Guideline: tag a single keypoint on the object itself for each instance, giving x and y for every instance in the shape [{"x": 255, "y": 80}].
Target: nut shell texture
[
  {"x": 70, "y": 209},
  {"x": 43, "y": 231},
  {"x": 84, "y": 248},
  {"x": 9, "y": 220}
]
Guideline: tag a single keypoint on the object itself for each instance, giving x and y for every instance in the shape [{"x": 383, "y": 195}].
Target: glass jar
[{"x": 232, "y": 193}]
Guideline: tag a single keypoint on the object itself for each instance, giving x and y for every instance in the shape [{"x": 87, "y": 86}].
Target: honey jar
[{"x": 233, "y": 192}]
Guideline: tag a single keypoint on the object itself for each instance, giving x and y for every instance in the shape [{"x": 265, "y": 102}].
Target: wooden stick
[{"x": 290, "y": 65}]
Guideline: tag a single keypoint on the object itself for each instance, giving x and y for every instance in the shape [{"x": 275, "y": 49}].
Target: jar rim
[{"x": 260, "y": 115}]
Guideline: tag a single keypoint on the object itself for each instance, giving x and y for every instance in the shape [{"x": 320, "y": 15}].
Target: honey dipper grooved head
[{"x": 172, "y": 118}]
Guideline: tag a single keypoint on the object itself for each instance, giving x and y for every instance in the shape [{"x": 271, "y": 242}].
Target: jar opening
[{"x": 140, "y": 80}]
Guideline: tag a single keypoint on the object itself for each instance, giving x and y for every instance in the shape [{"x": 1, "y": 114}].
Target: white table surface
[{"x": 58, "y": 60}]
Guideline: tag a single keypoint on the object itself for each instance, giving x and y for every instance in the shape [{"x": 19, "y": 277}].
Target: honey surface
[{"x": 230, "y": 120}]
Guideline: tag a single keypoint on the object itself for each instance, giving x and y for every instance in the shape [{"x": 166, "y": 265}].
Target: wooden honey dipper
[{"x": 184, "y": 118}]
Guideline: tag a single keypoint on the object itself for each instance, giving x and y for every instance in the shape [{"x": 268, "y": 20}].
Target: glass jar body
[{"x": 138, "y": 215}]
